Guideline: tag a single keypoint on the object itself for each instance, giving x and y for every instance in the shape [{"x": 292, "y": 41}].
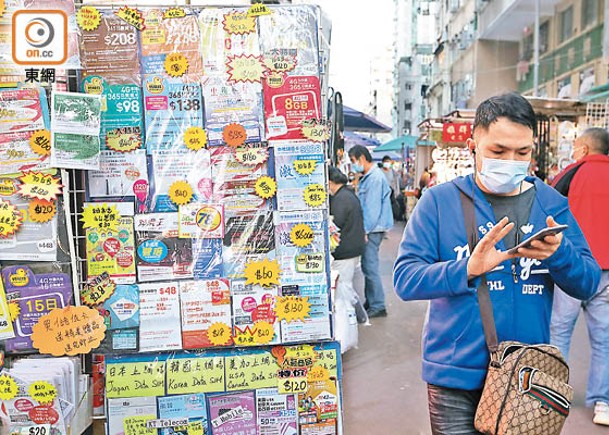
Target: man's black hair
[
  {"x": 386, "y": 158},
  {"x": 511, "y": 106},
  {"x": 336, "y": 176},
  {"x": 600, "y": 140},
  {"x": 357, "y": 151}
]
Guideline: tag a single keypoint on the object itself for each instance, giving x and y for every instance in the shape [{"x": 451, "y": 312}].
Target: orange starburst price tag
[
  {"x": 180, "y": 193},
  {"x": 40, "y": 142},
  {"x": 234, "y": 135},
  {"x": 219, "y": 334},
  {"x": 293, "y": 308},
  {"x": 264, "y": 273},
  {"x": 36, "y": 185},
  {"x": 41, "y": 211}
]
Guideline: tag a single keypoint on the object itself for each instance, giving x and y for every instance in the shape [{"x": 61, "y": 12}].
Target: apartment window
[
  {"x": 407, "y": 106},
  {"x": 566, "y": 24},
  {"x": 589, "y": 12}
]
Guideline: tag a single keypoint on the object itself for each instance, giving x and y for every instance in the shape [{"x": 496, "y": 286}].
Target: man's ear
[{"x": 471, "y": 144}]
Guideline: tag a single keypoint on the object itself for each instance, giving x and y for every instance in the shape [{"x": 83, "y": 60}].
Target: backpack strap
[{"x": 484, "y": 298}]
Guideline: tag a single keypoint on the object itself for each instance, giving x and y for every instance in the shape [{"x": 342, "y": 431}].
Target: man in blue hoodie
[{"x": 434, "y": 261}]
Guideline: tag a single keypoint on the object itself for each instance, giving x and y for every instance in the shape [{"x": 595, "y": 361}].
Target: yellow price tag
[
  {"x": 264, "y": 273},
  {"x": 101, "y": 217},
  {"x": 42, "y": 391},
  {"x": 195, "y": 138},
  {"x": 266, "y": 187},
  {"x": 40, "y": 142},
  {"x": 174, "y": 13},
  {"x": 263, "y": 332},
  {"x": 293, "y": 308},
  {"x": 7, "y": 187},
  {"x": 123, "y": 142},
  {"x": 36, "y": 185},
  {"x": 132, "y": 16},
  {"x": 305, "y": 167},
  {"x": 98, "y": 290},
  {"x": 310, "y": 262},
  {"x": 10, "y": 219},
  {"x": 136, "y": 425},
  {"x": 239, "y": 23},
  {"x": 245, "y": 68},
  {"x": 2, "y": 8},
  {"x": 88, "y": 18},
  {"x": 315, "y": 195},
  {"x": 292, "y": 381},
  {"x": 176, "y": 64},
  {"x": 259, "y": 9},
  {"x": 219, "y": 334},
  {"x": 302, "y": 235},
  {"x": 41, "y": 211},
  {"x": 316, "y": 130},
  {"x": 180, "y": 193},
  {"x": 8, "y": 387}
]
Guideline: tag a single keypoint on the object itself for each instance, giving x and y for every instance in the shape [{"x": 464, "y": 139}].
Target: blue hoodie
[{"x": 432, "y": 264}]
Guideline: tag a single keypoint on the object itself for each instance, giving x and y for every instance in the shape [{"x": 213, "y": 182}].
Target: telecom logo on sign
[{"x": 40, "y": 37}]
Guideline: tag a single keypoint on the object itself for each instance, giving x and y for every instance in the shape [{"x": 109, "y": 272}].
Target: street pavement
[{"x": 383, "y": 391}]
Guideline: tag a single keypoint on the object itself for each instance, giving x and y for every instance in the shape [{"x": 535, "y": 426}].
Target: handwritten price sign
[
  {"x": 36, "y": 185},
  {"x": 8, "y": 387},
  {"x": 132, "y": 16},
  {"x": 305, "y": 167},
  {"x": 98, "y": 290},
  {"x": 293, "y": 308},
  {"x": 264, "y": 273},
  {"x": 10, "y": 219},
  {"x": 174, "y": 13},
  {"x": 292, "y": 381},
  {"x": 41, "y": 211},
  {"x": 101, "y": 217},
  {"x": 219, "y": 334},
  {"x": 234, "y": 135},
  {"x": 42, "y": 392},
  {"x": 266, "y": 187},
  {"x": 40, "y": 142},
  {"x": 302, "y": 235},
  {"x": 239, "y": 23},
  {"x": 262, "y": 333},
  {"x": 251, "y": 156},
  {"x": 245, "y": 69},
  {"x": 195, "y": 138},
  {"x": 316, "y": 130},
  {"x": 180, "y": 193},
  {"x": 315, "y": 195},
  {"x": 176, "y": 64},
  {"x": 88, "y": 18}
]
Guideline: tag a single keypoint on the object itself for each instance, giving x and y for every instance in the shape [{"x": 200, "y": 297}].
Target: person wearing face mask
[
  {"x": 586, "y": 184},
  {"x": 435, "y": 263},
  {"x": 375, "y": 197},
  {"x": 393, "y": 180}
]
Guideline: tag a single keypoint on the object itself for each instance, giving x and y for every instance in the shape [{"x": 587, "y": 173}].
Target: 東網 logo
[{"x": 40, "y": 37}]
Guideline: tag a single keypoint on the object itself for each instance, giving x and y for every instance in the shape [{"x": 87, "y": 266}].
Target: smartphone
[{"x": 548, "y": 231}]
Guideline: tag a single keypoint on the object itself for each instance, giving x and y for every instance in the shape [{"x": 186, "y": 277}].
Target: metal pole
[{"x": 536, "y": 51}]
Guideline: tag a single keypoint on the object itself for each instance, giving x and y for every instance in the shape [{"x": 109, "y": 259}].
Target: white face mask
[
  {"x": 387, "y": 165},
  {"x": 503, "y": 176}
]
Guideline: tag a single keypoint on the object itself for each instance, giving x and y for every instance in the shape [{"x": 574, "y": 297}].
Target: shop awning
[
  {"x": 359, "y": 121},
  {"x": 403, "y": 142},
  {"x": 352, "y": 138}
]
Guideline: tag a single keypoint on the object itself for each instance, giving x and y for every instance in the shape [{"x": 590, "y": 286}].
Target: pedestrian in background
[
  {"x": 393, "y": 179},
  {"x": 434, "y": 261},
  {"x": 586, "y": 184},
  {"x": 375, "y": 197}
]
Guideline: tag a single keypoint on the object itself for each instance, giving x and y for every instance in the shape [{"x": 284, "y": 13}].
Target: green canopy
[{"x": 403, "y": 142}]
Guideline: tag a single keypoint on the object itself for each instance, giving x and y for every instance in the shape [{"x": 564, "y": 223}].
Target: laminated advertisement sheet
[
  {"x": 175, "y": 165},
  {"x": 288, "y": 103},
  {"x": 70, "y": 113},
  {"x": 120, "y": 409},
  {"x": 317, "y": 325},
  {"x": 201, "y": 221},
  {"x": 291, "y": 184},
  {"x": 122, "y": 118},
  {"x": 207, "y": 254},
  {"x": 17, "y": 155},
  {"x": 113, "y": 252},
  {"x": 204, "y": 303},
  {"x": 170, "y": 109},
  {"x": 190, "y": 406},
  {"x": 6, "y": 325},
  {"x": 161, "y": 255},
  {"x": 254, "y": 303},
  {"x": 22, "y": 110},
  {"x": 233, "y": 413},
  {"x": 160, "y": 317},
  {"x": 121, "y": 314},
  {"x": 164, "y": 36},
  {"x": 111, "y": 51},
  {"x": 35, "y": 295},
  {"x": 120, "y": 175},
  {"x": 318, "y": 408},
  {"x": 10, "y": 74},
  {"x": 290, "y": 36},
  {"x": 277, "y": 413}
]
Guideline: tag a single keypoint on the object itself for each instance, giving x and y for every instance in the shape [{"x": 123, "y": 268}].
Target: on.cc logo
[{"x": 40, "y": 37}]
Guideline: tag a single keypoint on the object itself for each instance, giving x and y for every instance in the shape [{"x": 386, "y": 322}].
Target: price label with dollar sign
[
  {"x": 176, "y": 64},
  {"x": 40, "y": 142},
  {"x": 293, "y": 308},
  {"x": 219, "y": 334},
  {"x": 315, "y": 195},
  {"x": 180, "y": 193},
  {"x": 41, "y": 211},
  {"x": 234, "y": 135},
  {"x": 264, "y": 272},
  {"x": 266, "y": 187}
]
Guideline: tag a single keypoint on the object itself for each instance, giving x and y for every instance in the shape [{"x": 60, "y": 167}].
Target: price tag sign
[
  {"x": 132, "y": 16},
  {"x": 310, "y": 263},
  {"x": 316, "y": 130},
  {"x": 315, "y": 195},
  {"x": 42, "y": 392},
  {"x": 239, "y": 23},
  {"x": 261, "y": 333},
  {"x": 41, "y": 211},
  {"x": 2, "y": 8},
  {"x": 124, "y": 141},
  {"x": 180, "y": 193},
  {"x": 176, "y": 64},
  {"x": 245, "y": 68},
  {"x": 219, "y": 334},
  {"x": 305, "y": 167},
  {"x": 69, "y": 331},
  {"x": 195, "y": 138},
  {"x": 302, "y": 235},
  {"x": 40, "y": 142},
  {"x": 292, "y": 381},
  {"x": 88, "y": 18},
  {"x": 101, "y": 217},
  {"x": 234, "y": 135},
  {"x": 174, "y": 13},
  {"x": 98, "y": 290},
  {"x": 251, "y": 156},
  {"x": 36, "y": 185},
  {"x": 264, "y": 273},
  {"x": 318, "y": 373},
  {"x": 8, "y": 387},
  {"x": 266, "y": 187},
  {"x": 38, "y": 429},
  {"x": 293, "y": 308},
  {"x": 10, "y": 219},
  {"x": 280, "y": 60},
  {"x": 259, "y": 9}
]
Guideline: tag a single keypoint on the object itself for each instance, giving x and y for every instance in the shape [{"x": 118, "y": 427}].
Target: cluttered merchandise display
[{"x": 164, "y": 224}]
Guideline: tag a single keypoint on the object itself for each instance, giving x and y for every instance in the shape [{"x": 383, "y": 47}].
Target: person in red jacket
[{"x": 586, "y": 184}]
